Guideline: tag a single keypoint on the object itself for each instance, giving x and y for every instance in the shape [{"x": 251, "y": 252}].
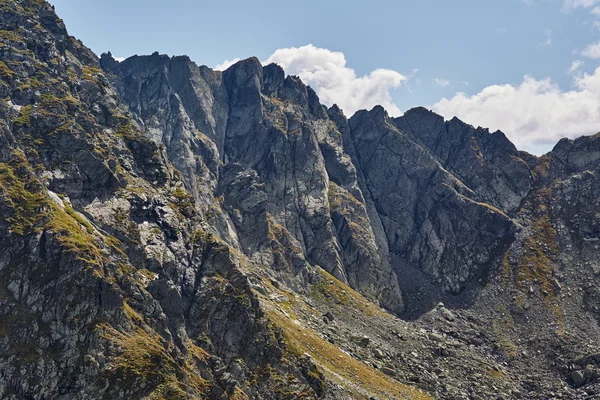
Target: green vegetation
[
  {"x": 336, "y": 364},
  {"x": 74, "y": 237},
  {"x": 24, "y": 118},
  {"x": 542, "y": 168},
  {"x": 329, "y": 289},
  {"x": 24, "y": 195},
  {"x": 12, "y": 36},
  {"x": 5, "y": 72},
  {"x": 126, "y": 131},
  {"x": 91, "y": 74},
  {"x": 503, "y": 326},
  {"x": 540, "y": 249},
  {"x": 114, "y": 244},
  {"x": 144, "y": 358},
  {"x": 77, "y": 217},
  {"x": 32, "y": 83},
  {"x": 183, "y": 203},
  {"x": 340, "y": 198},
  {"x": 50, "y": 101}
]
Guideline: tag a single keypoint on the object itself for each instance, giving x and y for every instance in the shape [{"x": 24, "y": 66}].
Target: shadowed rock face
[
  {"x": 427, "y": 213},
  {"x": 488, "y": 163},
  {"x": 170, "y": 231}
]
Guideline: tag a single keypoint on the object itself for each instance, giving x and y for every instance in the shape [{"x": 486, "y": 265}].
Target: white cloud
[
  {"x": 120, "y": 59},
  {"x": 592, "y": 50},
  {"x": 441, "y": 82},
  {"x": 548, "y": 41},
  {"x": 570, "y": 4},
  {"x": 596, "y": 11},
  {"x": 326, "y": 72},
  {"x": 225, "y": 64},
  {"x": 535, "y": 114},
  {"x": 575, "y": 67}
]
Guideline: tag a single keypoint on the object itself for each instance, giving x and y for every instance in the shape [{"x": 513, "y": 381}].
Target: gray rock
[{"x": 577, "y": 378}]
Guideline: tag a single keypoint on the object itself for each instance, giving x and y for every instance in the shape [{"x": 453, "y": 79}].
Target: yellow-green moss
[
  {"x": 340, "y": 198},
  {"x": 91, "y": 74},
  {"x": 126, "y": 131},
  {"x": 543, "y": 166},
  {"x": 337, "y": 365},
  {"x": 495, "y": 373},
  {"x": 183, "y": 200},
  {"x": 144, "y": 358},
  {"x": 503, "y": 327},
  {"x": 49, "y": 100},
  {"x": 74, "y": 237},
  {"x": 331, "y": 290},
  {"x": 540, "y": 251},
  {"x": 24, "y": 118},
  {"x": 32, "y": 83},
  {"x": 24, "y": 194},
  {"x": 12, "y": 36},
  {"x": 114, "y": 244},
  {"x": 5, "y": 72}
]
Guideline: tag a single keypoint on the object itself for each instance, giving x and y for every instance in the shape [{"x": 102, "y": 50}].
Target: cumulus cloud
[
  {"x": 225, "y": 64},
  {"x": 120, "y": 59},
  {"x": 534, "y": 114},
  {"x": 326, "y": 72},
  {"x": 592, "y": 50}
]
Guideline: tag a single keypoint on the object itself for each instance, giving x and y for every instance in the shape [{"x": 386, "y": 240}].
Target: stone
[
  {"x": 435, "y": 337},
  {"x": 378, "y": 353},
  {"x": 447, "y": 314},
  {"x": 364, "y": 341},
  {"x": 577, "y": 378},
  {"x": 329, "y": 315}
]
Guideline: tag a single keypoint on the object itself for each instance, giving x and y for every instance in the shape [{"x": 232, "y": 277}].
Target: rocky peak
[
  {"x": 273, "y": 77},
  {"x": 572, "y": 156}
]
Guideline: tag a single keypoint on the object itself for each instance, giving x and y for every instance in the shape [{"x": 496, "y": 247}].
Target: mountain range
[{"x": 169, "y": 231}]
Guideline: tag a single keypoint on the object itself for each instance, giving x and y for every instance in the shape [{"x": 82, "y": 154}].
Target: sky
[{"x": 526, "y": 67}]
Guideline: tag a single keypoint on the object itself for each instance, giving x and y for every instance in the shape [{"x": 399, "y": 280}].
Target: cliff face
[
  {"x": 170, "y": 231},
  {"x": 271, "y": 130}
]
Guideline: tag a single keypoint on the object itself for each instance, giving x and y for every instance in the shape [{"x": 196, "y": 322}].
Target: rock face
[
  {"x": 426, "y": 211},
  {"x": 170, "y": 231},
  {"x": 274, "y": 130}
]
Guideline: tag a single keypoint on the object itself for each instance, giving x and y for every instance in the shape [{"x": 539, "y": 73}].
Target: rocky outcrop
[
  {"x": 488, "y": 163},
  {"x": 279, "y": 139},
  {"x": 426, "y": 212}
]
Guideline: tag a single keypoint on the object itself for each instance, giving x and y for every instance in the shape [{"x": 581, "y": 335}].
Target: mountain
[{"x": 174, "y": 232}]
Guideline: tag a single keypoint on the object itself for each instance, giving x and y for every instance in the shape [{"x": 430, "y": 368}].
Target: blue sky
[{"x": 430, "y": 50}]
